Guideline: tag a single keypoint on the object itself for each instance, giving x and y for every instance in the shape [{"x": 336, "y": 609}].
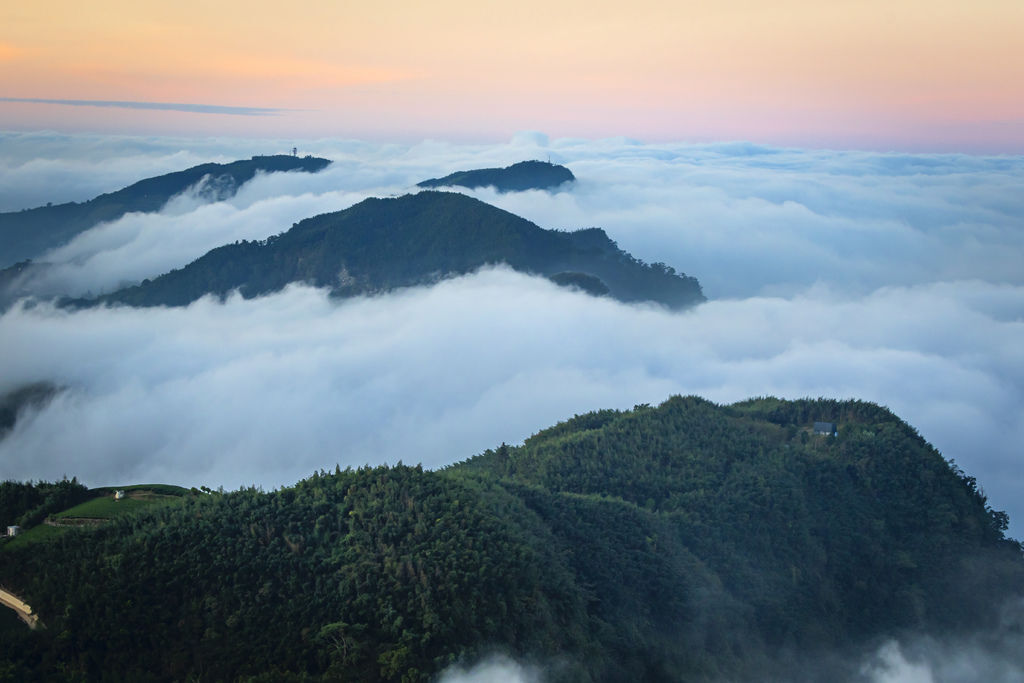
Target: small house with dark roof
[{"x": 825, "y": 428}]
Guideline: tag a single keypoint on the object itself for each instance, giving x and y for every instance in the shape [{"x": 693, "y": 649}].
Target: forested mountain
[
  {"x": 683, "y": 542},
  {"x": 27, "y": 234},
  {"x": 525, "y": 175},
  {"x": 13, "y": 281},
  {"x": 381, "y": 244}
]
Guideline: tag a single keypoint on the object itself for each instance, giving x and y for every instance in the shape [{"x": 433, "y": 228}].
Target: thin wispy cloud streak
[{"x": 155, "y": 106}]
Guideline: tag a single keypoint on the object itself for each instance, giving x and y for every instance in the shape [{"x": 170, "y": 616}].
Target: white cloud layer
[
  {"x": 747, "y": 220},
  {"x": 889, "y": 277},
  {"x": 267, "y": 390}
]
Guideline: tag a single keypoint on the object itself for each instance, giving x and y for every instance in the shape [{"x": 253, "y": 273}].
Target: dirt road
[{"x": 21, "y": 607}]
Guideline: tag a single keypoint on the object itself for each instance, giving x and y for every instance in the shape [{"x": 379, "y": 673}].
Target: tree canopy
[{"x": 688, "y": 541}]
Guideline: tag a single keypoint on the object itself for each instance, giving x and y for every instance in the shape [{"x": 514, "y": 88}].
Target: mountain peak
[
  {"x": 524, "y": 175},
  {"x": 382, "y": 244}
]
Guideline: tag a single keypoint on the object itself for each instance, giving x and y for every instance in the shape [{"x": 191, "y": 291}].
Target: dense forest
[
  {"x": 26, "y": 504},
  {"x": 28, "y": 233},
  {"x": 688, "y": 541},
  {"x": 525, "y": 175},
  {"x": 381, "y": 244}
]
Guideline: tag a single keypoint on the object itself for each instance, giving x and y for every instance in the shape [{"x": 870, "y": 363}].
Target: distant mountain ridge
[
  {"x": 28, "y": 233},
  {"x": 381, "y": 244},
  {"x": 525, "y": 175}
]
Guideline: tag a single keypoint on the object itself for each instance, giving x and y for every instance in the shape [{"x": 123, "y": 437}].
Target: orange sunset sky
[{"x": 895, "y": 74}]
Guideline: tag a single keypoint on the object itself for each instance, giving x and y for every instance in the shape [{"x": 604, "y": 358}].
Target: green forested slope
[
  {"x": 380, "y": 244},
  {"x": 27, "y": 234},
  {"x": 25, "y": 504},
  {"x": 684, "y": 542},
  {"x": 855, "y": 531}
]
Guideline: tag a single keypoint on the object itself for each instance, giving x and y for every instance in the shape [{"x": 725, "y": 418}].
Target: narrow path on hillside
[{"x": 11, "y": 600}]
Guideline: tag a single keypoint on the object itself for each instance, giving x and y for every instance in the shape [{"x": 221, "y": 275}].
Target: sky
[{"x": 905, "y": 75}]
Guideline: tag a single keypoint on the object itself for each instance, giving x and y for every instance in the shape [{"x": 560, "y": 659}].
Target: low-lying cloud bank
[
  {"x": 748, "y": 220},
  {"x": 265, "y": 391},
  {"x": 889, "y": 277}
]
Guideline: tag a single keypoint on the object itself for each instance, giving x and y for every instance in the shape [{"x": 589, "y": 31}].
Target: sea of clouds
[{"x": 894, "y": 278}]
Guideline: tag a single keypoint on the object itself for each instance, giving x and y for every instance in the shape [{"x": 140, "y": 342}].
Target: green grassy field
[
  {"x": 36, "y": 534},
  {"x": 162, "y": 489},
  {"x": 106, "y": 507},
  {"x": 101, "y": 508}
]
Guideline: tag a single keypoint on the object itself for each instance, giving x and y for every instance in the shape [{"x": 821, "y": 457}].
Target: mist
[
  {"x": 996, "y": 655},
  {"x": 145, "y": 245},
  {"x": 930, "y": 661},
  {"x": 495, "y": 669},
  {"x": 892, "y": 278}
]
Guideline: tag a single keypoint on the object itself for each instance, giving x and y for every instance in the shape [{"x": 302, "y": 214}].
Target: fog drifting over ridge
[{"x": 890, "y": 278}]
